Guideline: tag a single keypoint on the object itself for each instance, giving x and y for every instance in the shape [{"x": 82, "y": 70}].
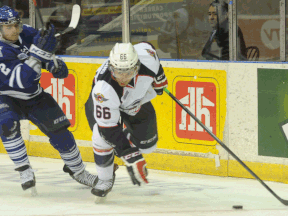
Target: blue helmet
[{"x": 8, "y": 16}]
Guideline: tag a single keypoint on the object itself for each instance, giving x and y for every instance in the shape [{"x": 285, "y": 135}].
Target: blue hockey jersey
[{"x": 17, "y": 79}]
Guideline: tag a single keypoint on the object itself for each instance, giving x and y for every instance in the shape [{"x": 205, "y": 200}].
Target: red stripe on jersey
[
  {"x": 108, "y": 127},
  {"x": 160, "y": 84},
  {"x": 102, "y": 150}
]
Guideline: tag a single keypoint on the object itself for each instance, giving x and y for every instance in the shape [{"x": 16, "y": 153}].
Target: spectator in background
[
  {"x": 218, "y": 20},
  {"x": 22, "y": 7},
  {"x": 183, "y": 34}
]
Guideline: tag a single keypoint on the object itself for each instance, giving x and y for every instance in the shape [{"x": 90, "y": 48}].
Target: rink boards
[{"x": 242, "y": 103}]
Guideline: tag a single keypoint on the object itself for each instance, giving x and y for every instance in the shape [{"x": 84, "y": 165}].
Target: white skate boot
[
  {"x": 83, "y": 176},
  {"x": 103, "y": 187},
  {"x": 27, "y": 178}
]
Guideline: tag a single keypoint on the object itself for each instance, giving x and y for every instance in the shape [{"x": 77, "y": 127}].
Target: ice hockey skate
[
  {"x": 83, "y": 176},
  {"x": 103, "y": 187},
  {"x": 27, "y": 178}
]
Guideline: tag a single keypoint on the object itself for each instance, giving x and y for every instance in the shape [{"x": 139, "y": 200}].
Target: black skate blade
[
  {"x": 67, "y": 170},
  {"x": 28, "y": 185},
  {"x": 100, "y": 193}
]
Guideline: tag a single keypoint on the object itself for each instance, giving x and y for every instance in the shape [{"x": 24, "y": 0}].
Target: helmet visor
[{"x": 124, "y": 75}]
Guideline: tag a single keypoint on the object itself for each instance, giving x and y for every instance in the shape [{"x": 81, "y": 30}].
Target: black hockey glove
[
  {"x": 160, "y": 81},
  {"x": 44, "y": 44},
  {"x": 136, "y": 165},
  {"x": 61, "y": 72}
]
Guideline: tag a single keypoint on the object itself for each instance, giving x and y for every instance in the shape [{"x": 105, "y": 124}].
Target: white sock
[{"x": 105, "y": 173}]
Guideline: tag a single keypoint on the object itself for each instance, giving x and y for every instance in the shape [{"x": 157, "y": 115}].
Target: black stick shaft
[{"x": 285, "y": 202}]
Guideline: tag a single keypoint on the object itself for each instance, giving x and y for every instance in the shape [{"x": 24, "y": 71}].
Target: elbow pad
[{"x": 35, "y": 64}]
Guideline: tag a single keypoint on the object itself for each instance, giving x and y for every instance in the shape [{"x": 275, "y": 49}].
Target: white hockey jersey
[{"x": 110, "y": 98}]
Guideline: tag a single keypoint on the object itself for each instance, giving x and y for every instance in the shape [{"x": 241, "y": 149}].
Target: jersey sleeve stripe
[
  {"x": 11, "y": 80},
  {"x": 107, "y": 126},
  {"x": 18, "y": 77}
]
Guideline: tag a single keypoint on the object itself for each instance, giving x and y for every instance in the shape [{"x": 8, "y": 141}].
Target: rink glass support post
[
  {"x": 282, "y": 9},
  {"x": 126, "y": 21},
  {"x": 234, "y": 30},
  {"x": 230, "y": 19},
  {"x": 32, "y": 15}
]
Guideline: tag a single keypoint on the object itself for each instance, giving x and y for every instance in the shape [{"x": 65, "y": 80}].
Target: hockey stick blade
[
  {"x": 76, "y": 12},
  {"x": 285, "y": 202}
]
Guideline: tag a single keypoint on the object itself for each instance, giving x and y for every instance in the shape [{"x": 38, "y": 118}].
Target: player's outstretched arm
[{"x": 160, "y": 81}]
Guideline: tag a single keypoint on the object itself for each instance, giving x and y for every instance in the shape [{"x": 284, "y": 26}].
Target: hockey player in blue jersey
[{"x": 23, "y": 52}]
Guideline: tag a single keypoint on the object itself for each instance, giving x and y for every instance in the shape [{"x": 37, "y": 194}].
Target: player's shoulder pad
[
  {"x": 105, "y": 95},
  {"x": 103, "y": 67},
  {"x": 7, "y": 52},
  {"x": 148, "y": 56},
  {"x": 28, "y": 31}
]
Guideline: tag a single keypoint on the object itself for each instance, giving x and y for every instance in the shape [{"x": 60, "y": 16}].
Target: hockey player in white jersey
[
  {"x": 123, "y": 88},
  {"x": 23, "y": 52}
]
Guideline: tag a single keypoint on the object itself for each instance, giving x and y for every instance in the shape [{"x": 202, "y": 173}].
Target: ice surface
[{"x": 168, "y": 193}]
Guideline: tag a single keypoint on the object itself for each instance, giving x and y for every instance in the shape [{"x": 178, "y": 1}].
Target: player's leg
[
  {"x": 48, "y": 116},
  {"x": 89, "y": 111},
  {"x": 141, "y": 131},
  {"x": 104, "y": 160},
  {"x": 13, "y": 142},
  {"x": 145, "y": 120}
]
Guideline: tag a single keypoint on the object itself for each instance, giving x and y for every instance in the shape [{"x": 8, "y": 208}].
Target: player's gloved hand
[
  {"x": 160, "y": 82},
  {"x": 61, "y": 72},
  {"x": 136, "y": 165},
  {"x": 44, "y": 44}
]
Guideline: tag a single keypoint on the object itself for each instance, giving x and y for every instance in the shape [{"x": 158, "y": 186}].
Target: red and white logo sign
[
  {"x": 200, "y": 99},
  {"x": 63, "y": 91}
]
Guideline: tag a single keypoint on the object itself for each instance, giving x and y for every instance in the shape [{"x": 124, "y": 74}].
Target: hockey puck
[{"x": 238, "y": 207}]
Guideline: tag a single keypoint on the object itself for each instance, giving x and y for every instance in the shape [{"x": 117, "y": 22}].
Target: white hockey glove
[
  {"x": 160, "y": 82},
  {"x": 136, "y": 165}
]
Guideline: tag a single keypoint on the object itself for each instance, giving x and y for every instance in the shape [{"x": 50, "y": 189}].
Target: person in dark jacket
[{"x": 218, "y": 20}]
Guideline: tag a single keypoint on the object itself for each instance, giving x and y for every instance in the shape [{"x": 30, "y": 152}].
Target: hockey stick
[
  {"x": 44, "y": 28},
  {"x": 76, "y": 12},
  {"x": 285, "y": 202}
]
